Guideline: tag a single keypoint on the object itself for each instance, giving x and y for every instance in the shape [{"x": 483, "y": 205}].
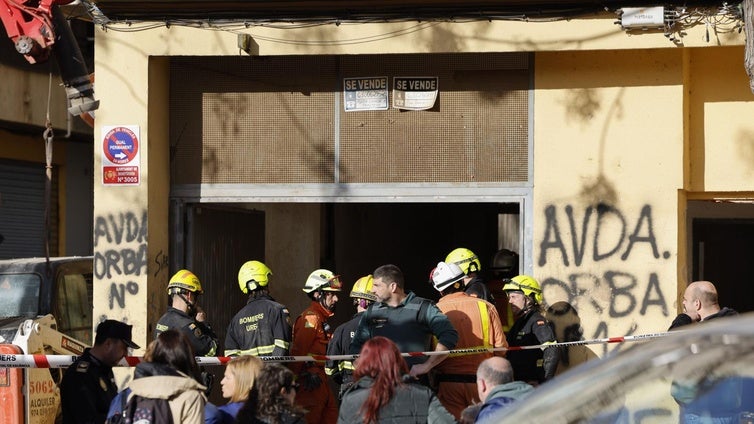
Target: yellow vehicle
[{"x": 45, "y": 308}]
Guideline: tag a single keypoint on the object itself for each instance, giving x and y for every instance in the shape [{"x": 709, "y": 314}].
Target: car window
[{"x": 19, "y": 295}]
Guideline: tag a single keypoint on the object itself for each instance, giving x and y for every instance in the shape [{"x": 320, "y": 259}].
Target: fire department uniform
[
  {"x": 311, "y": 334},
  {"x": 342, "y": 371},
  {"x": 533, "y": 365},
  {"x": 261, "y": 328},
  {"x": 478, "y": 326},
  {"x": 86, "y": 391},
  {"x": 410, "y": 325},
  {"x": 203, "y": 339}
]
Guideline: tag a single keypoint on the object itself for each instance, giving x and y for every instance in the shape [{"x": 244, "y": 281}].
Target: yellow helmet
[
  {"x": 362, "y": 289},
  {"x": 322, "y": 279},
  {"x": 526, "y": 284},
  {"x": 184, "y": 280},
  {"x": 466, "y": 259},
  {"x": 253, "y": 275}
]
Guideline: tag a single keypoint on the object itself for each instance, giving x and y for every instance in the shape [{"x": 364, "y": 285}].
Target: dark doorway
[{"x": 722, "y": 253}]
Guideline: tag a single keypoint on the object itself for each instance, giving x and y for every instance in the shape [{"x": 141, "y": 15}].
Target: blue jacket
[{"x": 500, "y": 397}]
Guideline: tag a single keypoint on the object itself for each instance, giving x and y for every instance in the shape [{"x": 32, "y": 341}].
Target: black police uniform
[
  {"x": 86, "y": 391},
  {"x": 342, "y": 371},
  {"x": 203, "y": 339},
  {"x": 261, "y": 328},
  {"x": 532, "y": 364}
]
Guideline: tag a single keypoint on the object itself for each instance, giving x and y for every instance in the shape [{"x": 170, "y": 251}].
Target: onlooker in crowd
[
  {"x": 271, "y": 400},
  {"x": 567, "y": 326},
  {"x": 342, "y": 371},
  {"x": 700, "y": 304},
  {"x": 184, "y": 314},
  {"x": 168, "y": 373},
  {"x": 88, "y": 385},
  {"x": 497, "y": 388},
  {"x": 408, "y": 320},
  {"x": 240, "y": 376},
  {"x": 311, "y": 333},
  {"x": 469, "y": 414},
  {"x": 380, "y": 393},
  {"x": 530, "y": 328},
  {"x": 478, "y": 326},
  {"x": 263, "y": 326},
  {"x": 471, "y": 266}
]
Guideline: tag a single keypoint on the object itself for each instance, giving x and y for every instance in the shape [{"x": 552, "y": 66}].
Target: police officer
[
  {"x": 409, "y": 321},
  {"x": 88, "y": 385},
  {"x": 185, "y": 315},
  {"x": 311, "y": 333},
  {"x": 342, "y": 371},
  {"x": 533, "y": 366},
  {"x": 469, "y": 262},
  {"x": 263, "y": 326}
]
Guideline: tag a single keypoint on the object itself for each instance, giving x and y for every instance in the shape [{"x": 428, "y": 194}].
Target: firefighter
[
  {"x": 88, "y": 385},
  {"x": 342, "y": 371},
  {"x": 311, "y": 333},
  {"x": 185, "y": 315},
  {"x": 471, "y": 266},
  {"x": 263, "y": 326},
  {"x": 478, "y": 325},
  {"x": 530, "y": 328}
]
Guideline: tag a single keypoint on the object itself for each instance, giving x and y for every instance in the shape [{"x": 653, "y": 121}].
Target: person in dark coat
[
  {"x": 88, "y": 385},
  {"x": 271, "y": 400},
  {"x": 384, "y": 393},
  {"x": 700, "y": 304}
]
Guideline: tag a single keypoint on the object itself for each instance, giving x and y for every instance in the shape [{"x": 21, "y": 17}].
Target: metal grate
[{"x": 272, "y": 120}]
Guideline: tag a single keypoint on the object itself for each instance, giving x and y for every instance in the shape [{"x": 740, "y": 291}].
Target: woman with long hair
[
  {"x": 271, "y": 399},
  {"x": 240, "y": 375},
  {"x": 384, "y": 393},
  {"x": 168, "y": 372}
]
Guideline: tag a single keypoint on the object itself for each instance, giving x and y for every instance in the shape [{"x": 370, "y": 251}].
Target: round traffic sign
[{"x": 120, "y": 145}]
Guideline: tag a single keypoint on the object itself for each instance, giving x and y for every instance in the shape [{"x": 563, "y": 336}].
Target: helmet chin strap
[
  {"x": 321, "y": 300},
  {"x": 191, "y": 306}
]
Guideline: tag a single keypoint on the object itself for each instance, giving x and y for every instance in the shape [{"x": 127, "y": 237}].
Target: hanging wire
[{"x": 48, "y": 136}]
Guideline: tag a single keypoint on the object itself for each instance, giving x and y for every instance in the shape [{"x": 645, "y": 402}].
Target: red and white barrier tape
[{"x": 63, "y": 361}]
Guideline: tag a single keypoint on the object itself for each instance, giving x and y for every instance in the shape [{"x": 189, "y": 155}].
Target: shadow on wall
[{"x": 567, "y": 325}]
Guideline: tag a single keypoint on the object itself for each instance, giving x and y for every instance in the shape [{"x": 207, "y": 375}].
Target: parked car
[{"x": 706, "y": 370}]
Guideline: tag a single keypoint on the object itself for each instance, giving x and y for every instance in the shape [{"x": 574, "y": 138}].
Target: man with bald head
[
  {"x": 700, "y": 304},
  {"x": 496, "y": 387}
]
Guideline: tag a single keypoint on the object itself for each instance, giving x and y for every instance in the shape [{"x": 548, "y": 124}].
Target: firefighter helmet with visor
[
  {"x": 184, "y": 280},
  {"x": 526, "y": 284},
  {"x": 362, "y": 289},
  {"x": 253, "y": 275},
  {"x": 324, "y": 280},
  {"x": 445, "y": 275},
  {"x": 466, "y": 259}
]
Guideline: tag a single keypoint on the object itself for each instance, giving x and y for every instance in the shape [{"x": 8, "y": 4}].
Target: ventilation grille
[{"x": 281, "y": 120}]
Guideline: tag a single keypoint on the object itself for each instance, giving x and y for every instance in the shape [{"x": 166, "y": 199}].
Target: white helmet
[
  {"x": 322, "y": 279},
  {"x": 446, "y": 274}
]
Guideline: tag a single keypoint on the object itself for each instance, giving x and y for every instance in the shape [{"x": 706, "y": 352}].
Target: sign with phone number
[{"x": 120, "y": 155}]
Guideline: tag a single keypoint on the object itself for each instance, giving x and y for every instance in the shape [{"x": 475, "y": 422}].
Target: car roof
[{"x": 705, "y": 348}]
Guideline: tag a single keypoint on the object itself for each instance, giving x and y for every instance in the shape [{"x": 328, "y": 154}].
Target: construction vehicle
[
  {"x": 45, "y": 308},
  {"x": 38, "y": 28}
]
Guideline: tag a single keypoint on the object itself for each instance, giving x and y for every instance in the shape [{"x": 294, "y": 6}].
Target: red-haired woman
[{"x": 381, "y": 393}]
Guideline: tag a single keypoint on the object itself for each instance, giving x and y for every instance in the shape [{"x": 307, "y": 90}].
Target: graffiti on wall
[
  {"x": 120, "y": 255},
  {"x": 606, "y": 262}
]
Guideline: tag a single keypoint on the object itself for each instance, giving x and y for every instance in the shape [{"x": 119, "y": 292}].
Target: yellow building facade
[{"x": 627, "y": 135}]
